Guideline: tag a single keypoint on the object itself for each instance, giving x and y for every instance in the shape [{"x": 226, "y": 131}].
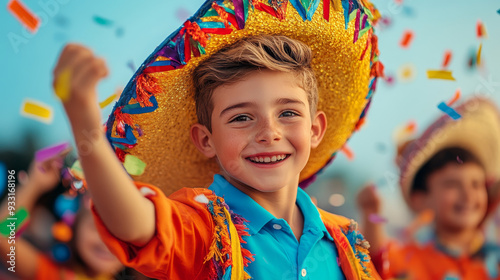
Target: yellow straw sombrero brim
[
  {"x": 477, "y": 131},
  {"x": 152, "y": 119}
]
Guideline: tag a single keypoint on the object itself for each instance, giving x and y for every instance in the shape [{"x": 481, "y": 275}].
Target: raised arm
[
  {"x": 126, "y": 213},
  {"x": 369, "y": 204}
]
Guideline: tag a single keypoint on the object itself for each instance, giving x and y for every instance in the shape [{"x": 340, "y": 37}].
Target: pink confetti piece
[
  {"x": 51, "y": 152},
  {"x": 377, "y": 219}
]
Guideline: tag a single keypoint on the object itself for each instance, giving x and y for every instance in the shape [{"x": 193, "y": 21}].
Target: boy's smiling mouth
[{"x": 268, "y": 158}]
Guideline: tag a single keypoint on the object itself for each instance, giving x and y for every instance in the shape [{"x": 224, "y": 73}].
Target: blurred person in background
[
  {"x": 448, "y": 177},
  {"x": 90, "y": 259}
]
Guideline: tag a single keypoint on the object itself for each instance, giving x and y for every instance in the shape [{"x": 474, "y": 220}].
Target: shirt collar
[
  {"x": 312, "y": 218},
  {"x": 256, "y": 215}
]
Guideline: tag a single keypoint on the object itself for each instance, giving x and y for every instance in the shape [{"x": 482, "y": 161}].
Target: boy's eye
[
  {"x": 288, "y": 114},
  {"x": 240, "y": 118}
]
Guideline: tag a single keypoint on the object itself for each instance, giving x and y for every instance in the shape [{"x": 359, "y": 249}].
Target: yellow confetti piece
[
  {"x": 61, "y": 88},
  {"x": 134, "y": 165},
  {"x": 440, "y": 74},
  {"x": 110, "y": 99},
  {"x": 406, "y": 73},
  {"x": 479, "y": 54},
  {"x": 37, "y": 110}
]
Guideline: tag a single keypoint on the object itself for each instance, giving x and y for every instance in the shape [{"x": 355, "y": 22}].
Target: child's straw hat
[{"x": 153, "y": 116}]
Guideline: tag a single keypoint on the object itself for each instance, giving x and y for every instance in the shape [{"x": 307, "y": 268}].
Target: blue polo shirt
[{"x": 278, "y": 255}]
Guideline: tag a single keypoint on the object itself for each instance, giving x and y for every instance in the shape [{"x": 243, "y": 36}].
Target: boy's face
[
  {"x": 263, "y": 132},
  {"x": 457, "y": 195}
]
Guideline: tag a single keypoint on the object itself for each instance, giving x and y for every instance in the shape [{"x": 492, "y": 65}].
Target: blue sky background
[{"x": 137, "y": 27}]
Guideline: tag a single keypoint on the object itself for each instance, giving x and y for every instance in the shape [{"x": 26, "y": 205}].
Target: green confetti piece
[
  {"x": 102, "y": 21},
  {"x": 77, "y": 170},
  {"x": 134, "y": 165},
  {"x": 14, "y": 222}
]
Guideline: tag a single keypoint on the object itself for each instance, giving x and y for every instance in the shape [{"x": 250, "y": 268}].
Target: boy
[
  {"x": 256, "y": 97},
  {"x": 445, "y": 171}
]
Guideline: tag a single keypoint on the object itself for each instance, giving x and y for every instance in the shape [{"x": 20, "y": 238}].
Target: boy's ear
[
  {"x": 318, "y": 128},
  {"x": 202, "y": 139}
]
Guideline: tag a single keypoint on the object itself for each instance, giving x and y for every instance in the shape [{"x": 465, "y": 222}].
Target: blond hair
[{"x": 233, "y": 63}]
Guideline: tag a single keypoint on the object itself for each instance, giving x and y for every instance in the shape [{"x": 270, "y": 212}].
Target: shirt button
[
  {"x": 304, "y": 272},
  {"x": 276, "y": 226}
]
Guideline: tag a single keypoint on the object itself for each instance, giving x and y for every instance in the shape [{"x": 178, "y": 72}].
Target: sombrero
[
  {"x": 152, "y": 118},
  {"x": 477, "y": 131}
]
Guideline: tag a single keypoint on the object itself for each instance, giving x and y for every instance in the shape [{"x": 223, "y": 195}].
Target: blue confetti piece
[
  {"x": 102, "y": 21},
  {"x": 449, "y": 111},
  {"x": 65, "y": 203},
  {"x": 61, "y": 252},
  {"x": 498, "y": 11},
  {"x": 3, "y": 178},
  {"x": 119, "y": 32}
]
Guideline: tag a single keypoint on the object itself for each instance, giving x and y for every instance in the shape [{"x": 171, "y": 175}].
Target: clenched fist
[{"x": 85, "y": 70}]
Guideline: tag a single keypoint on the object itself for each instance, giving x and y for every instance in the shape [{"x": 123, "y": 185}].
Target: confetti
[
  {"x": 381, "y": 147},
  {"x": 408, "y": 11},
  {"x": 471, "y": 62},
  {"x": 119, "y": 32},
  {"x": 76, "y": 170},
  {"x": 478, "y": 57},
  {"x": 459, "y": 160},
  {"x": 52, "y": 152},
  {"x": 347, "y": 152},
  {"x": 110, "y": 99},
  {"x": 406, "y": 39},
  {"x": 182, "y": 14},
  {"x": 447, "y": 58},
  {"x": 68, "y": 218},
  {"x": 61, "y": 252},
  {"x": 134, "y": 165},
  {"x": 65, "y": 204},
  {"x": 407, "y": 73},
  {"x": 389, "y": 79},
  {"x": 440, "y": 74},
  {"x": 62, "y": 232},
  {"x": 455, "y": 98},
  {"x": 131, "y": 65},
  {"x": 385, "y": 22},
  {"x": 19, "y": 218},
  {"x": 61, "y": 21},
  {"x": 377, "y": 219},
  {"x": 24, "y": 15},
  {"x": 403, "y": 134},
  {"x": 102, "y": 21},
  {"x": 449, "y": 111},
  {"x": 498, "y": 11},
  {"x": 37, "y": 110},
  {"x": 481, "y": 30}
]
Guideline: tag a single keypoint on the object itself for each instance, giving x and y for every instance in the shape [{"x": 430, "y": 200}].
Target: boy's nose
[{"x": 268, "y": 132}]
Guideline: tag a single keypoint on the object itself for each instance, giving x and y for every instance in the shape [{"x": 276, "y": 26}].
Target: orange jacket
[
  {"x": 427, "y": 262},
  {"x": 188, "y": 230},
  {"x": 49, "y": 270}
]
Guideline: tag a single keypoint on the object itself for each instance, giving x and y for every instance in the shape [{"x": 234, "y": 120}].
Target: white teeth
[{"x": 268, "y": 159}]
